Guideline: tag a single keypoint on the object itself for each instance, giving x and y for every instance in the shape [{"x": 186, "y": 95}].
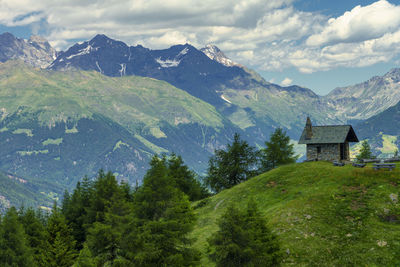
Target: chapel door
[{"x": 342, "y": 152}]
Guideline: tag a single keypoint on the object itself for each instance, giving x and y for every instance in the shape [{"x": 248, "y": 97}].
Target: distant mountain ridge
[
  {"x": 364, "y": 100},
  {"x": 181, "y": 65},
  {"x": 36, "y": 51},
  {"x": 208, "y": 74},
  {"x": 240, "y": 94}
]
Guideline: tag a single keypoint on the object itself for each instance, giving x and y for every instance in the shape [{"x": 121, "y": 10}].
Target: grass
[
  {"x": 72, "y": 130},
  {"x": 119, "y": 144},
  {"x": 33, "y": 152},
  {"x": 28, "y": 132},
  {"x": 150, "y": 145},
  {"x": 51, "y": 141},
  {"x": 389, "y": 144},
  {"x": 323, "y": 215}
]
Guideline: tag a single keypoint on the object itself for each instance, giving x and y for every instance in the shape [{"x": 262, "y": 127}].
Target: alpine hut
[{"x": 330, "y": 142}]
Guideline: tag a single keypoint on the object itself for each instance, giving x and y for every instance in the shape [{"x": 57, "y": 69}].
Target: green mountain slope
[
  {"x": 382, "y": 131},
  {"x": 16, "y": 191},
  {"x": 323, "y": 215},
  {"x": 130, "y": 101},
  {"x": 262, "y": 105},
  {"x": 59, "y": 126}
]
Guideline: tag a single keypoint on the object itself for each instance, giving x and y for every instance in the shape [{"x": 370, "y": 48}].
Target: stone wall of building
[{"x": 328, "y": 152}]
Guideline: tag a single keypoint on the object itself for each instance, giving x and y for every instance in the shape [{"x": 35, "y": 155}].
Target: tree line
[{"x": 103, "y": 222}]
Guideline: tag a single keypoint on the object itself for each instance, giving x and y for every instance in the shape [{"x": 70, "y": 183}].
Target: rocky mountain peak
[
  {"x": 394, "y": 74},
  {"x": 7, "y": 37},
  {"x": 214, "y": 53},
  {"x": 101, "y": 38},
  {"x": 36, "y": 51},
  {"x": 37, "y": 39}
]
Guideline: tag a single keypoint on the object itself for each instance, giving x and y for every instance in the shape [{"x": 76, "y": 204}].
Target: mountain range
[{"x": 104, "y": 104}]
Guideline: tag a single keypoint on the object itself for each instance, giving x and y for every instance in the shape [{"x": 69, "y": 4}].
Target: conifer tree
[
  {"x": 163, "y": 217},
  {"x": 243, "y": 239},
  {"x": 85, "y": 258},
  {"x": 104, "y": 238},
  {"x": 36, "y": 234},
  {"x": 265, "y": 250},
  {"x": 278, "y": 151},
  {"x": 75, "y": 208},
  {"x": 14, "y": 246},
  {"x": 61, "y": 242},
  {"x": 365, "y": 151},
  {"x": 228, "y": 168},
  {"x": 185, "y": 179},
  {"x": 104, "y": 187}
]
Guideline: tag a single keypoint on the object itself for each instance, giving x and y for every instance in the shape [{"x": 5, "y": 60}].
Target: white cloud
[
  {"x": 268, "y": 35},
  {"x": 361, "y": 37},
  {"x": 286, "y": 82},
  {"x": 359, "y": 24}
]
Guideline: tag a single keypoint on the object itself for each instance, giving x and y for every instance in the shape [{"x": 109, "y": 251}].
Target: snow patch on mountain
[
  {"x": 183, "y": 52},
  {"x": 227, "y": 100},
  {"x": 168, "y": 63},
  {"x": 98, "y": 66},
  {"x": 216, "y": 54},
  {"x": 87, "y": 50},
  {"x": 122, "y": 71}
]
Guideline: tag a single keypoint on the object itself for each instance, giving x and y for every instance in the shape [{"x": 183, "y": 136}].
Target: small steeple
[{"x": 308, "y": 128}]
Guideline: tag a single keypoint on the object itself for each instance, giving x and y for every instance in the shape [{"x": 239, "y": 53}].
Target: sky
[{"x": 318, "y": 44}]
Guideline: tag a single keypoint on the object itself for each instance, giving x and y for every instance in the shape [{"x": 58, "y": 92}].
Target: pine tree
[
  {"x": 36, "y": 234},
  {"x": 278, "y": 151},
  {"x": 163, "y": 217},
  {"x": 104, "y": 187},
  {"x": 61, "y": 242},
  {"x": 265, "y": 250},
  {"x": 75, "y": 209},
  {"x": 14, "y": 246},
  {"x": 85, "y": 258},
  {"x": 104, "y": 238},
  {"x": 243, "y": 239},
  {"x": 233, "y": 166},
  {"x": 185, "y": 179},
  {"x": 365, "y": 151}
]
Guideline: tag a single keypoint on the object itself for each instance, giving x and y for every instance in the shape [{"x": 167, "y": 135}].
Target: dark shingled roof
[{"x": 330, "y": 135}]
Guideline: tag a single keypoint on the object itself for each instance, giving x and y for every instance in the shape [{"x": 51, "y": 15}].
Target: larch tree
[
  {"x": 232, "y": 166},
  {"x": 278, "y": 151}
]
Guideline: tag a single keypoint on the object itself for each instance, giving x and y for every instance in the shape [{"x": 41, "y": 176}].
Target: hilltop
[{"x": 321, "y": 213}]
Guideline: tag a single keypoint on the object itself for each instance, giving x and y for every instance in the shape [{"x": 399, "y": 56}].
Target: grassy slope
[
  {"x": 137, "y": 103},
  {"x": 323, "y": 215}
]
